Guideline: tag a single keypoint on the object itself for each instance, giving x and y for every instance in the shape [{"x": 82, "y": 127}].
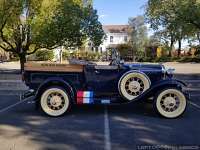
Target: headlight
[{"x": 170, "y": 71}]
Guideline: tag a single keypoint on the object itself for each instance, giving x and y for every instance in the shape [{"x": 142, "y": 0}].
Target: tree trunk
[
  {"x": 22, "y": 58},
  {"x": 171, "y": 47},
  {"x": 198, "y": 37},
  {"x": 179, "y": 47}
]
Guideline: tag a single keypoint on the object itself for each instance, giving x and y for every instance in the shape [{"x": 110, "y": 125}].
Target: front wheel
[
  {"x": 133, "y": 84},
  {"x": 170, "y": 103},
  {"x": 55, "y": 101}
]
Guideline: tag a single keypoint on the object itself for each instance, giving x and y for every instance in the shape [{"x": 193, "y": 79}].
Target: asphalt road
[{"x": 94, "y": 127}]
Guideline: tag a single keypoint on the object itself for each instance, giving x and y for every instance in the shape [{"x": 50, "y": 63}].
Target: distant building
[{"x": 115, "y": 35}]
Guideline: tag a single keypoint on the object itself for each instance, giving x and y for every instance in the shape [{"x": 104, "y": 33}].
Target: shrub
[
  {"x": 16, "y": 58},
  {"x": 190, "y": 59},
  {"x": 170, "y": 59},
  {"x": 44, "y": 55},
  {"x": 174, "y": 59},
  {"x": 83, "y": 55},
  {"x": 92, "y": 56},
  {"x": 31, "y": 57},
  {"x": 126, "y": 51},
  {"x": 66, "y": 55},
  {"x": 144, "y": 59},
  {"x": 197, "y": 50},
  {"x": 163, "y": 59}
]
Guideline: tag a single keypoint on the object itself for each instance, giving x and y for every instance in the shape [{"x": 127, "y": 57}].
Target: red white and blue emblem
[{"x": 85, "y": 97}]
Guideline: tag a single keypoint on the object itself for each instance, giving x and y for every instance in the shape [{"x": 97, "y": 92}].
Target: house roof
[{"x": 116, "y": 28}]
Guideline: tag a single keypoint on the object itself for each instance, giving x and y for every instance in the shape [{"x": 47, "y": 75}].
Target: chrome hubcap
[
  {"x": 134, "y": 86},
  {"x": 170, "y": 102},
  {"x": 55, "y": 101}
]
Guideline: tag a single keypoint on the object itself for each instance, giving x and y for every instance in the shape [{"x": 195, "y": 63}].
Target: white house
[{"x": 115, "y": 35}]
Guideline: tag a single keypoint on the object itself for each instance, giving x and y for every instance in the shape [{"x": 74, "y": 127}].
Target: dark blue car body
[{"x": 101, "y": 80}]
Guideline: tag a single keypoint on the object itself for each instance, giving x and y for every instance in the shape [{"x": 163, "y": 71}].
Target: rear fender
[{"x": 55, "y": 82}]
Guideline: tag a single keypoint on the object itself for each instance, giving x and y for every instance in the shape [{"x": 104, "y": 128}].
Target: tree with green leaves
[
  {"x": 92, "y": 26},
  {"x": 138, "y": 34},
  {"x": 188, "y": 11},
  {"x": 178, "y": 18},
  {"x": 29, "y": 25}
]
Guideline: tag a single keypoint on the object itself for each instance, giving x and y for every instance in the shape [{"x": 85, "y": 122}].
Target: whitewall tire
[
  {"x": 54, "y": 102},
  {"x": 133, "y": 84},
  {"x": 170, "y": 103}
]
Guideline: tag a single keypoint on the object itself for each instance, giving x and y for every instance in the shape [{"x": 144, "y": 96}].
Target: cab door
[{"x": 102, "y": 79}]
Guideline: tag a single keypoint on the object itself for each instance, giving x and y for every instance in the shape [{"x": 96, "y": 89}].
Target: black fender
[
  {"x": 55, "y": 82},
  {"x": 168, "y": 83},
  {"x": 162, "y": 84}
]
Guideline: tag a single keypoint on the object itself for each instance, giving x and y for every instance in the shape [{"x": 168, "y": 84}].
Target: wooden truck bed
[{"x": 53, "y": 67}]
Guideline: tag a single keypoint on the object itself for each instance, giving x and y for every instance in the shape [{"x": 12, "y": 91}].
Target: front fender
[
  {"x": 167, "y": 83},
  {"x": 55, "y": 82}
]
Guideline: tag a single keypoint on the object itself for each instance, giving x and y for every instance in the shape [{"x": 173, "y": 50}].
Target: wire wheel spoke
[
  {"x": 55, "y": 101},
  {"x": 134, "y": 86},
  {"x": 170, "y": 102}
]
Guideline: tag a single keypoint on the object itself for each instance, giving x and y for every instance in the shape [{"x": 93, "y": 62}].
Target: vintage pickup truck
[{"x": 58, "y": 86}]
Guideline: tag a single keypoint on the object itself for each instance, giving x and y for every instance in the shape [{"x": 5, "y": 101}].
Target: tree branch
[
  {"x": 37, "y": 48},
  {"x": 7, "y": 50},
  {"x": 33, "y": 51},
  {"x": 2, "y": 36},
  {"x": 194, "y": 23},
  {"x": 5, "y": 41},
  {"x": 3, "y": 48}
]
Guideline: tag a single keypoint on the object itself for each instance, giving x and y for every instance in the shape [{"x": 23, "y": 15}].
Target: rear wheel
[
  {"x": 170, "y": 103},
  {"x": 55, "y": 101}
]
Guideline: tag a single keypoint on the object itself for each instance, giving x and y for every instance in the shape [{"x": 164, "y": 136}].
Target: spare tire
[{"x": 132, "y": 84}]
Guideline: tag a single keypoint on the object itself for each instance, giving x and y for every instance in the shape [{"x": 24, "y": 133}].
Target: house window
[
  {"x": 125, "y": 39},
  {"x": 96, "y": 49},
  {"x": 111, "y": 39},
  {"x": 101, "y": 49}
]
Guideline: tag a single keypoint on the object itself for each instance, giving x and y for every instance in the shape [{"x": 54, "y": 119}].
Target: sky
[
  {"x": 118, "y": 11},
  {"x": 115, "y": 12}
]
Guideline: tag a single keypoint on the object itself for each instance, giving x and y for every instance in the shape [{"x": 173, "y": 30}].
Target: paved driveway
[{"x": 95, "y": 127}]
